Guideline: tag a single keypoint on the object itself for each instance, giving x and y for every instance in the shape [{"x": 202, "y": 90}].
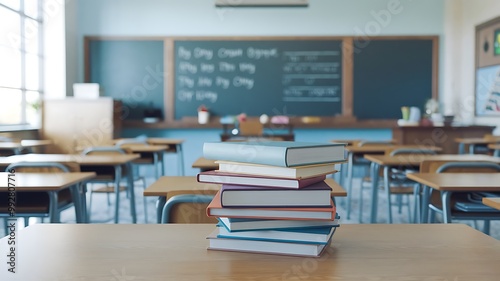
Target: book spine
[{"x": 255, "y": 154}]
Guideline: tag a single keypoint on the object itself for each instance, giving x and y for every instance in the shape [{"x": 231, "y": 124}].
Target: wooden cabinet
[
  {"x": 443, "y": 137},
  {"x": 74, "y": 124}
]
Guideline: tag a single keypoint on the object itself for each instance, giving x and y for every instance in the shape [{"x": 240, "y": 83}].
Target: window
[{"x": 21, "y": 61}]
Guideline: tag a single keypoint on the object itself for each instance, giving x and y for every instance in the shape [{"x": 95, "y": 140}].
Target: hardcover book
[
  {"x": 267, "y": 247},
  {"x": 254, "y": 180},
  {"x": 242, "y": 224},
  {"x": 297, "y": 172},
  {"x": 315, "y": 195},
  {"x": 317, "y": 213},
  {"x": 275, "y": 153},
  {"x": 315, "y": 235}
]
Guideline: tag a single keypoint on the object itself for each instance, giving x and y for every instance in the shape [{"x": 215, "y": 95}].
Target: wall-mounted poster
[{"x": 488, "y": 68}]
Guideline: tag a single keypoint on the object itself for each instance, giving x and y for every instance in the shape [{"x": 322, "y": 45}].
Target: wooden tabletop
[
  {"x": 383, "y": 148},
  {"x": 494, "y": 146},
  {"x": 83, "y": 160},
  {"x": 168, "y": 185},
  {"x": 179, "y": 252},
  {"x": 477, "y": 140},
  {"x": 42, "y": 181},
  {"x": 171, "y": 143},
  {"x": 205, "y": 164},
  {"x": 416, "y": 159},
  {"x": 459, "y": 181},
  {"x": 24, "y": 144},
  {"x": 492, "y": 202},
  {"x": 138, "y": 148}
]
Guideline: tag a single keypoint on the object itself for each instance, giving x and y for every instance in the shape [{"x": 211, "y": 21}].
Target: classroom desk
[
  {"x": 51, "y": 183},
  {"x": 179, "y": 252},
  {"x": 168, "y": 186},
  {"x": 472, "y": 143},
  {"x": 17, "y": 147},
  {"x": 145, "y": 150},
  {"x": 492, "y": 202},
  {"x": 448, "y": 183},
  {"x": 88, "y": 163},
  {"x": 205, "y": 164},
  {"x": 412, "y": 160},
  {"x": 362, "y": 151},
  {"x": 174, "y": 146}
]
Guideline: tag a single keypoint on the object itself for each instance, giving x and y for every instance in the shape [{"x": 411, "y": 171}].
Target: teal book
[
  {"x": 320, "y": 235},
  {"x": 276, "y": 153}
]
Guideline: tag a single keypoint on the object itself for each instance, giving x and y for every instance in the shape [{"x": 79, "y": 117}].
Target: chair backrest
[
  {"x": 467, "y": 167},
  {"x": 410, "y": 151},
  {"x": 44, "y": 167},
  {"x": 251, "y": 128},
  {"x": 187, "y": 208}
]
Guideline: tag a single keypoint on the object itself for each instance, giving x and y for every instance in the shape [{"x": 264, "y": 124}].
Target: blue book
[
  {"x": 275, "y": 153},
  {"x": 242, "y": 224},
  {"x": 312, "y": 235}
]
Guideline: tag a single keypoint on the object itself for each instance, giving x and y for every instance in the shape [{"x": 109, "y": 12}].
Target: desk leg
[
  {"x": 77, "y": 201},
  {"x": 118, "y": 175},
  {"x": 387, "y": 187},
  {"x": 374, "y": 174},
  {"x": 472, "y": 148},
  {"x": 349, "y": 184},
  {"x": 461, "y": 148},
  {"x": 445, "y": 200},
  {"x": 130, "y": 184},
  {"x": 83, "y": 196},
  {"x": 417, "y": 203},
  {"x": 53, "y": 213},
  {"x": 426, "y": 193},
  {"x": 162, "y": 161},
  {"x": 155, "y": 164},
  {"x": 180, "y": 159},
  {"x": 159, "y": 207}
]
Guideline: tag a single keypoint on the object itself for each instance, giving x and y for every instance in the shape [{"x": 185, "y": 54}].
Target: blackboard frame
[{"x": 351, "y": 44}]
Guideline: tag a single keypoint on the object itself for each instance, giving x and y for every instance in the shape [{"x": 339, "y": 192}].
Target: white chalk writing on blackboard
[
  {"x": 230, "y": 53},
  {"x": 186, "y": 81},
  {"x": 203, "y": 53},
  {"x": 206, "y": 96},
  {"x": 255, "y": 53},
  {"x": 184, "y": 53},
  {"x": 244, "y": 82},
  {"x": 207, "y": 68},
  {"x": 247, "y": 67},
  {"x": 222, "y": 82},
  {"x": 188, "y": 67},
  {"x": 204, "y": 82},
  {"x": 226, "y": 67}
]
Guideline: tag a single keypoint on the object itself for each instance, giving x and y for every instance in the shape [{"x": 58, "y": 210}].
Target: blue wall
[{"x": 201, "y": 18}]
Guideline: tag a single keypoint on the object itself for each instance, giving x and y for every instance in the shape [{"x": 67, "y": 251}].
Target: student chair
[
  {"x": 483, "y": 213},
  {"x": 397, "y": 183},
  {"x": 36, "y": 204},
  {"x": 187, "y": 208}
]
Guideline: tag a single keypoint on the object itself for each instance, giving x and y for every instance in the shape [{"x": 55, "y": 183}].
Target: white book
[
  {"x": 241, "y": 224},
  {"x": 297, "y": 172}
]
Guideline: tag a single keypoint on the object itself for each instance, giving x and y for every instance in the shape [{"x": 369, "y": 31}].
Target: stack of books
[{"x": 273, "y": 198}]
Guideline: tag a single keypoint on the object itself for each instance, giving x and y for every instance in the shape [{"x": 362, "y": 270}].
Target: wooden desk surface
[
  {"x": 459, "y": 181},
  {"x": 24, "y": 144},
  {"x": 492, "y": 202},
  {"x": 167, "y": 185},
  {"x": 83, "y": 160},
  {"x": 179, "y": 252},
  {"x": 476, "y": 140},
  {"x": 383, "y": 148},
  {"x": 137, "y": 148},
  {"x": 416, "y": 159},
  {"x": 205, "y": 164},
  {"x": 171, "y": 143},
  {"x": 494, "y": 146},
  {"x": 43, "y": 181}
]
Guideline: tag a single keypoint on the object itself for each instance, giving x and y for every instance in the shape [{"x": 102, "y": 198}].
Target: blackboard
[
  {"x": 275, "y": 77},
  {"x": 389, "y": 74},
  {"x": 341, "y": 79},
  {"x": 130, "y": 71}
]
